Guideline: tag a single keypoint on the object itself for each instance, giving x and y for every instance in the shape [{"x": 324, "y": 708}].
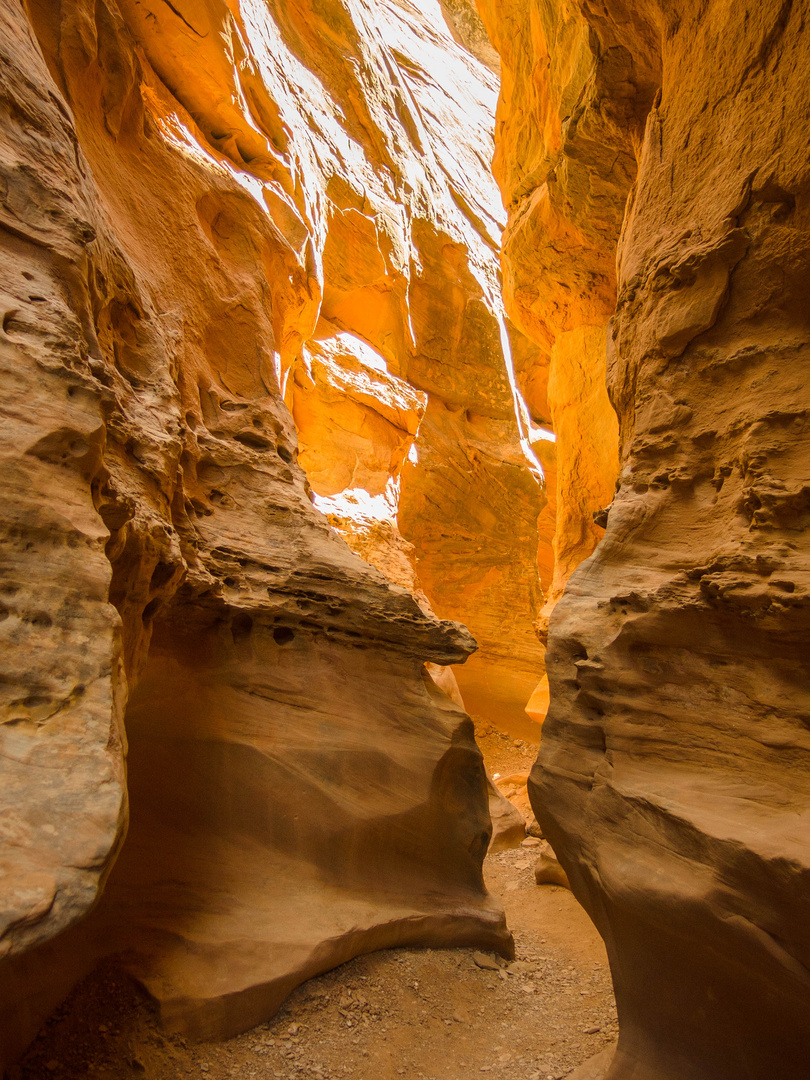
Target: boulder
[{"x": 508, "y": 824}]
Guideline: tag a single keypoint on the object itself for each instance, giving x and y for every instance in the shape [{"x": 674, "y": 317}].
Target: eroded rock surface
[
  {"x": 174, "y": 185},
  {"x": 672, "y": 778},
  {"x": 413, "y": 433},
  {"x": 508, "y": 824},
  {"x": 564, "y": 174}
]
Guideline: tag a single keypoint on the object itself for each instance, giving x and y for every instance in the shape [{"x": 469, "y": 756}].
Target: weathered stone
[
  {"x": 547, "y": 870},
  {"x": 413, "y": 433},
  {"x": 508, "y": 824},
  {"x": 487, "y": 963},
  {"x": 177, "y": 188},
  {"x": 513, "y": 787},
  {"x": 672, "y": 774},
  {"x": 596, "y": 1067}
]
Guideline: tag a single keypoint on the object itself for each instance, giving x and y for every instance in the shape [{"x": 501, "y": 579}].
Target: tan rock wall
[
  {"x": 672, "y": 775},
  {"x": 166, "y": 181}
]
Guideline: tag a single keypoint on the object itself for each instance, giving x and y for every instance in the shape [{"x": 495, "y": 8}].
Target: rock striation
[
  {"x": 222, "y": 757},
  {"x": 564, "y": 178},
  {"x": 672, "y": 777}
]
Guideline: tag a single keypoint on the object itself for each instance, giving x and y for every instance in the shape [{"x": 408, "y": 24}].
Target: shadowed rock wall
[
  {"x": 673, "y": 774},
  {"x": 300, "y": 791}
]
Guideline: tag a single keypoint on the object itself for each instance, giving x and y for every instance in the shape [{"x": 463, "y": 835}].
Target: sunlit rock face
[
  {"x": 564, "y": 176},
  {"x": 413, "y": 432},
  {"x": 673, "y": 774},
  {"x": 205, "y": 208}
]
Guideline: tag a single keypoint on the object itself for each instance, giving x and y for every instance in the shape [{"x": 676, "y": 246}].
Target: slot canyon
[{"x": 405, "y": 593}]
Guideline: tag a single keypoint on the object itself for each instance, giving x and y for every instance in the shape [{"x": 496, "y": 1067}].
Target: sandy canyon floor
[{"x": 421, "y": 1014}]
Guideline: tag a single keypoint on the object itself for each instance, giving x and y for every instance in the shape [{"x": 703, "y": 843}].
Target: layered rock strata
[
  {"x": 174, "y": 182},
  {"x": 672, "y": 778}
]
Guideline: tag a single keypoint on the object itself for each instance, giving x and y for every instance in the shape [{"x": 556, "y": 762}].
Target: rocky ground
[
  {"x": 502, "y": 754},
  {"x": 424, "y": 1014}
]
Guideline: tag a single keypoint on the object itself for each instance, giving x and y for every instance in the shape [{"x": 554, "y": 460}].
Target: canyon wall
[
  {"x": 413, "y": 433},
  {"x": 207, "y": 210},
  {"x": 564, "y": 176},
  {"x": 673, "y": 777}
]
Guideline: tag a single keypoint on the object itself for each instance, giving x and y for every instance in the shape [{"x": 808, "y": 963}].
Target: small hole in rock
[
  {"x": 150, "y": 609},
  {"x": 241, "y": 626},
  {"x": 252, "y": 441},
  {"x": 33, "y": 701},
  {"x": 161, "y": 575},
  {"x": 283, "y": 635}
]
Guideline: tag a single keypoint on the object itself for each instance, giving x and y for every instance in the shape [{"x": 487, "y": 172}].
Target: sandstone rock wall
[
  {"x": 672, "y": 779},
  {"x": 177, "y": 188},
  {"x": 413, "y": 435},
  {"x": 564, "y": 170}
]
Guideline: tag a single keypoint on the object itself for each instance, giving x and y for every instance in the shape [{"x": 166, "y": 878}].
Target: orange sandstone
[{"x": 186, "y": 192}]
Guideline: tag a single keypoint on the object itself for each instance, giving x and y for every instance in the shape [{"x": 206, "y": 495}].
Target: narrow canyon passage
[
  {"x": 426, "y": 1014},
  {"x": 404, "y": 571},
  {"x": 314, "y": 462}
]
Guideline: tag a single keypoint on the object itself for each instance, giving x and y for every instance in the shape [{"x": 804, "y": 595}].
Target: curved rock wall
[
  {"x": 413, "y": 434},
  {"x": 672, "y": 778},
  {"x": 564, "y": 169},
  {"x": 177, "y": 189}
]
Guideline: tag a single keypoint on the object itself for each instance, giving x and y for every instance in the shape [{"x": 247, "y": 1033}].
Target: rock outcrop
[
  {"x": 547, "y": 869},
  {"x": 177, "y": 188},
  {"x": 672, "y": 778},
  {"x": 564, "y": 178}
]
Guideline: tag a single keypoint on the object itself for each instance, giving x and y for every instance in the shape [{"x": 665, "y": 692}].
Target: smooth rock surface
[
  {"x": 596, "y": 1067},
  {"x": 548, "y": 871},
  {"x": 508, "y": 824}
]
